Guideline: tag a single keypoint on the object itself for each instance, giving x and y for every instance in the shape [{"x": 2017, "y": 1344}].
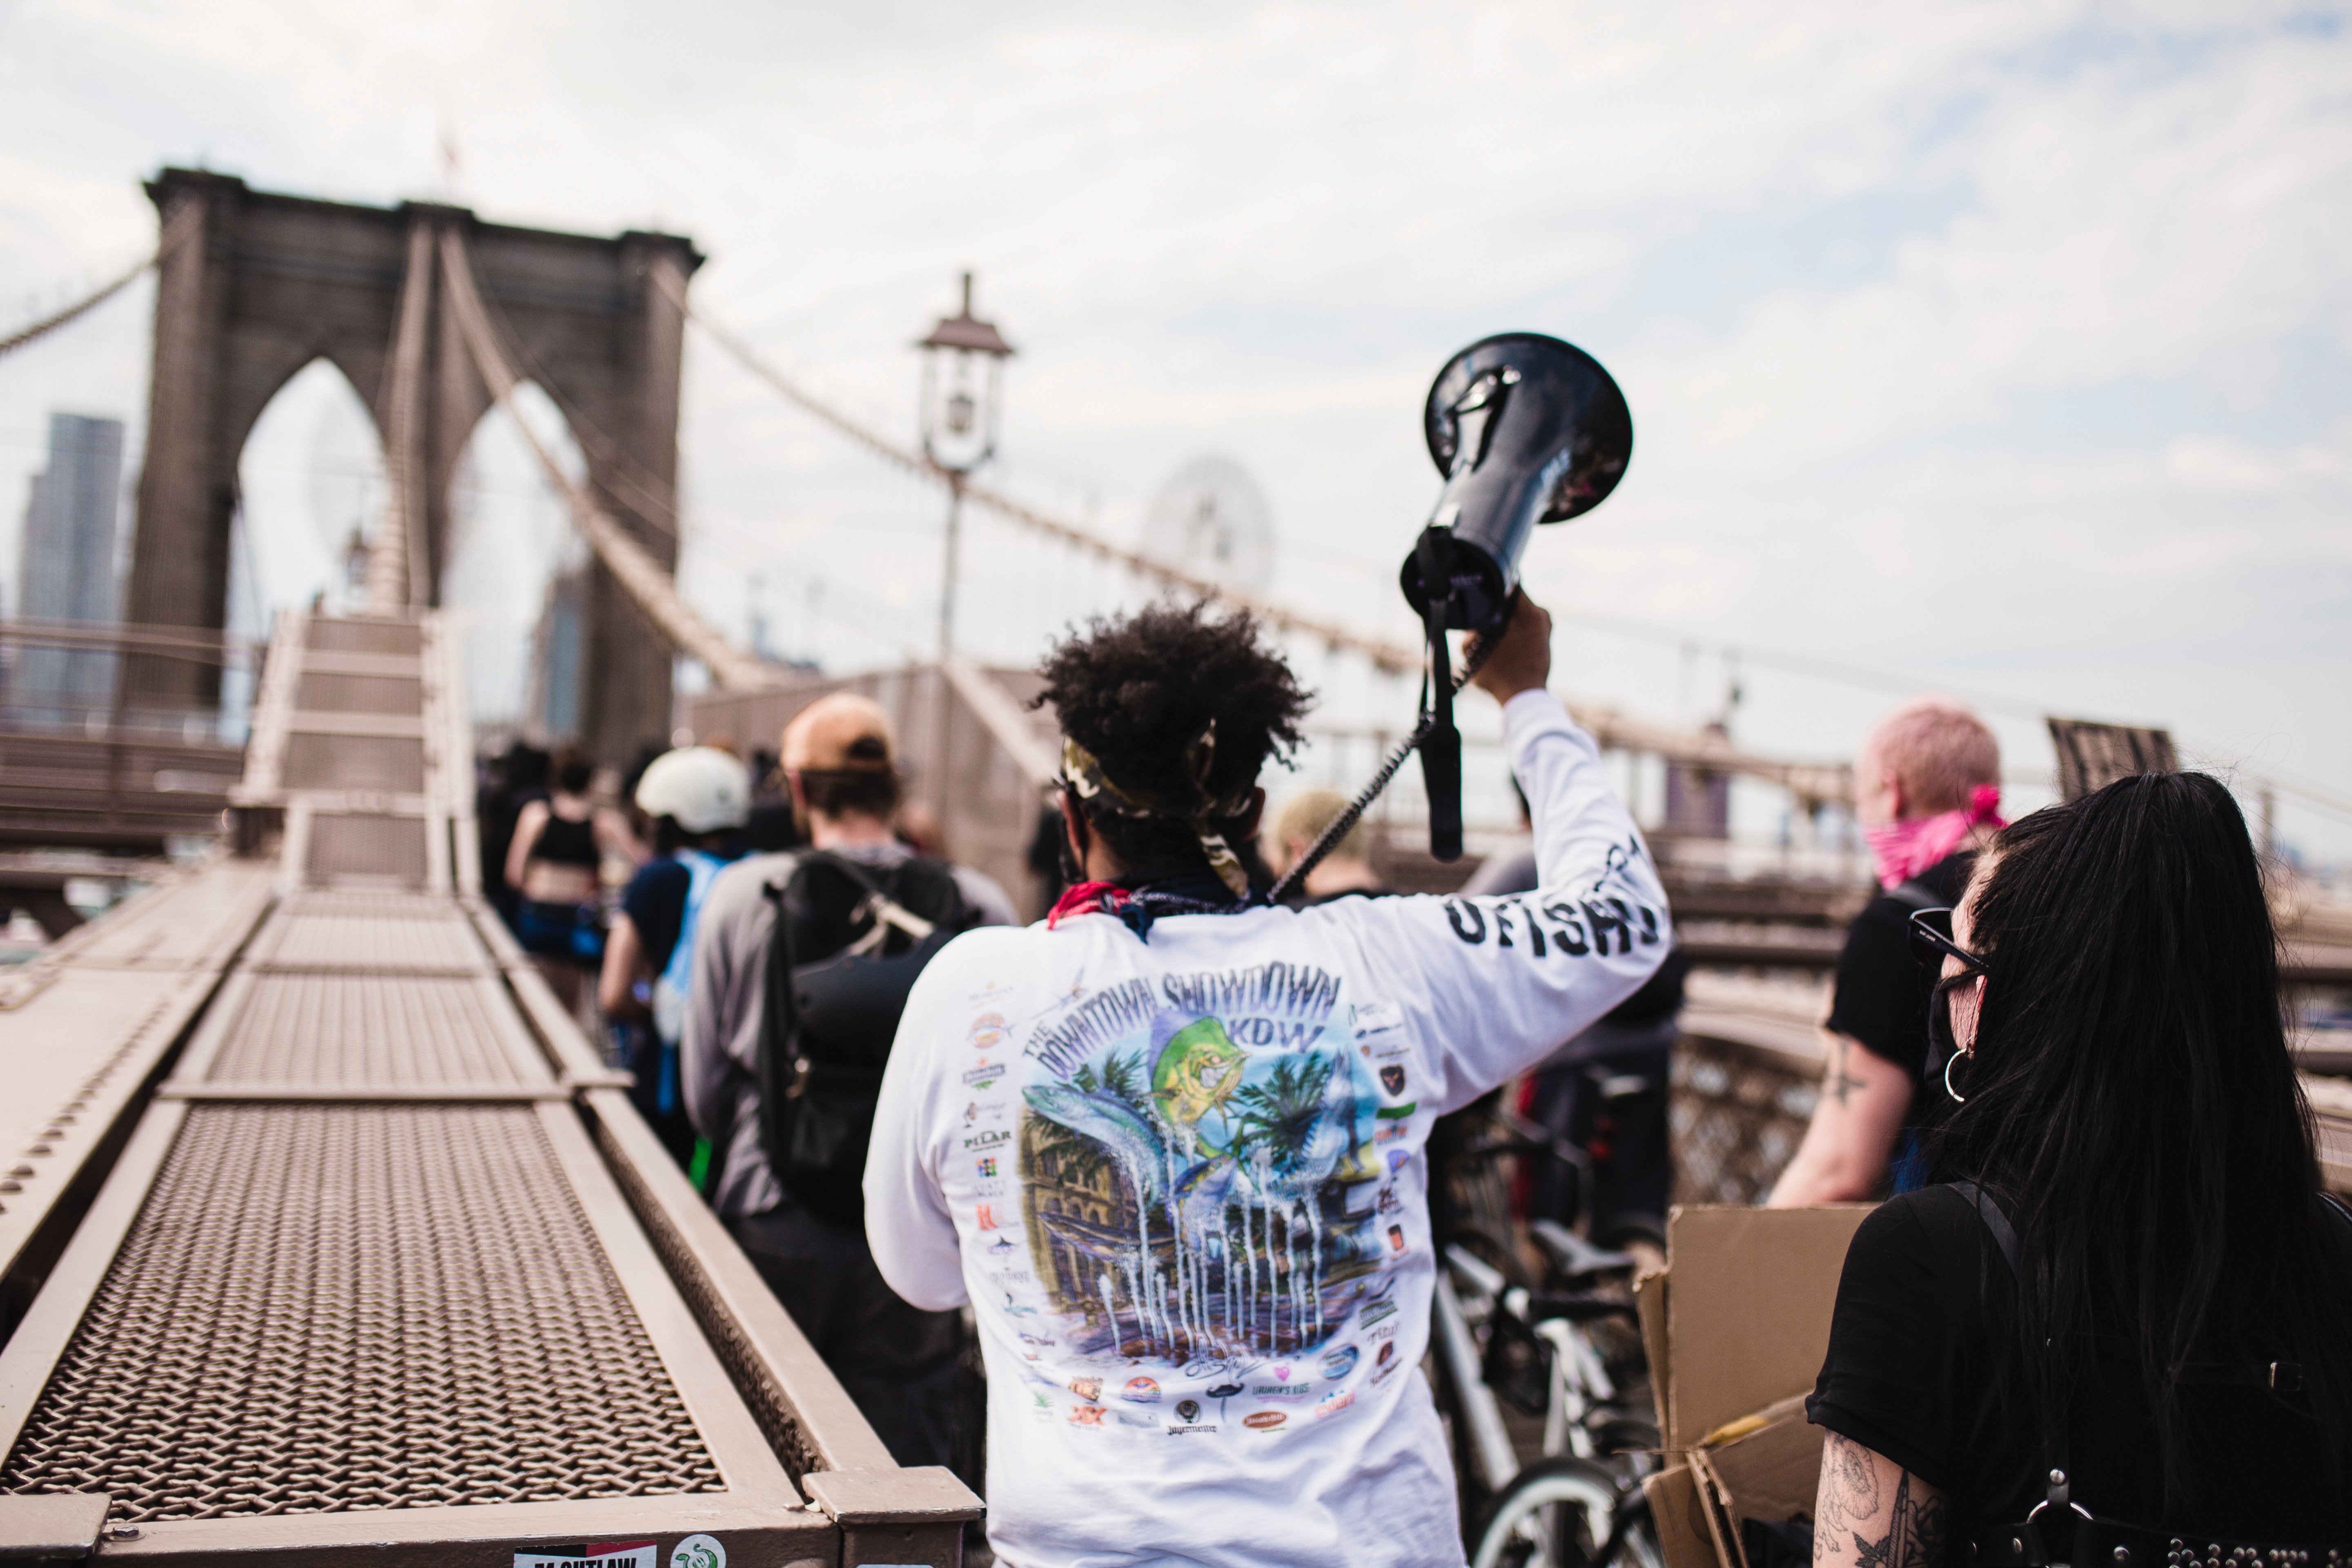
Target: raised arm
[{"x": 1502, "y": 981}]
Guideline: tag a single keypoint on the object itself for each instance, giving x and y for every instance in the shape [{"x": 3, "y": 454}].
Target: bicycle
[{"x": 1501, "y": 1336}]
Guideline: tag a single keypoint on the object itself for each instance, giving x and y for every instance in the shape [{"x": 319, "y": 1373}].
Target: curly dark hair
[{"x": 1137, "y": 690}]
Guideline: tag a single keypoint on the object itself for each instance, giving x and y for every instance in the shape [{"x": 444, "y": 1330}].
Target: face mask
[{"x": 1904, "y": 849}]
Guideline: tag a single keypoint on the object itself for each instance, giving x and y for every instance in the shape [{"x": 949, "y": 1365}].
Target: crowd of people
[{"x": 1166, "y": 1151}]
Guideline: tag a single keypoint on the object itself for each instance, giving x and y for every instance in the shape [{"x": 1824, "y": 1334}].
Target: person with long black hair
[{"x": 2125, "y": 1294}]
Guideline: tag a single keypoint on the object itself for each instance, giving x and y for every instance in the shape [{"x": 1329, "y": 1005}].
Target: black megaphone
[{"x": 1527, "y": 429}]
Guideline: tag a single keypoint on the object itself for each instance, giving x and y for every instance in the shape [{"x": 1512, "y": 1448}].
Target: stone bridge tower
[{"x": 264, "y": 284}]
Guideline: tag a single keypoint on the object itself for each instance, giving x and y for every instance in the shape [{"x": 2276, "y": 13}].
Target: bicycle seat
[{"x": 1573, "y": 1253}]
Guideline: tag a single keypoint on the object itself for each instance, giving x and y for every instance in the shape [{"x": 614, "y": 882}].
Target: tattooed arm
[
  {"x": 1845, "y": 1151},
  {"x": 1871, "y": 1513}
]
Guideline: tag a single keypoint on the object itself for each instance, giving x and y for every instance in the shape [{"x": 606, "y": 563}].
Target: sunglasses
[{"x": 1931, "y": 941}]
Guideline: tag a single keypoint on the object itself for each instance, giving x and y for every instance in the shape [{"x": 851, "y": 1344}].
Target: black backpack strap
[
  {"x": 2342, "y": 1210},
  {"x": 1995, "y": 1218},
  {"x": 778, "y": 1017},
  {"x": 1918, "y": 895}
]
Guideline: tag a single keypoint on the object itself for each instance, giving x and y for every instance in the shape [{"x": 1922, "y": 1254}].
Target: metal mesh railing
[
  {"x": 367, "y": 844},
  {"x": 1736, "y": 1121},
  {"x": 390, "y": 765},
  {"x": 373, "y": 903},
  {"x": 326, "y": 692},
  {"x": 369, "y": 944},
  {"x": 324, "y": 1309},
  {"x": 394, "y": 639},
  {"x": 356, "y": 1032}
]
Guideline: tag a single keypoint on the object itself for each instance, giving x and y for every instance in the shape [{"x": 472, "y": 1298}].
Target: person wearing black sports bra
[
  {"x": 2114, "y": 1322},
  {"x": 554, "y": 862}
]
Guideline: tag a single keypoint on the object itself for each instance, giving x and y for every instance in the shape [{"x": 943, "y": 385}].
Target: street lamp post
[{"x": 963, "y": 367}]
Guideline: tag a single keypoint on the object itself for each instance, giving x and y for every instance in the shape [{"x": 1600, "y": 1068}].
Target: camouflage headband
[{"x": 1085, "y": 779}]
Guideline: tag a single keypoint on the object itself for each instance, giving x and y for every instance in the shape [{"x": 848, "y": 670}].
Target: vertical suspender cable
[
  {"x": 638, "y": 573},
  {"x": 397, "y": 576}
]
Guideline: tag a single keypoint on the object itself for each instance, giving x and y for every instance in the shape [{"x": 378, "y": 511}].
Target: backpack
[
  {"x": 848, "y": 943},
  {"x": 2071, "y": 1533}
]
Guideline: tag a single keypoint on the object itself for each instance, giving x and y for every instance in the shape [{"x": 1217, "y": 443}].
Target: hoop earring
[{"x": 1958, "y": 1098}]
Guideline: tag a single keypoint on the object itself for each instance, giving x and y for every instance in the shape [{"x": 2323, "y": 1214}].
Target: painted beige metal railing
[{"x": 389, "y": 1270}]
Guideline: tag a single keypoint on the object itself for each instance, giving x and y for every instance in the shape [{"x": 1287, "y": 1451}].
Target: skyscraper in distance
[{"x": 64, "y": 569}]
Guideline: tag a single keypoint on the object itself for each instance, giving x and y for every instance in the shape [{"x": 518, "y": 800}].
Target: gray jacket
[{"x": 718, "y": 1052}]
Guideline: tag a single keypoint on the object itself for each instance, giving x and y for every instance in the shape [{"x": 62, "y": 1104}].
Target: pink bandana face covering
[{"x": 1904, "y": 849}]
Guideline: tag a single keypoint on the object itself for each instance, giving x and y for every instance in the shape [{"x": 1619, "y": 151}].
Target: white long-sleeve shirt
[{"x": 1181, "y": 1183}]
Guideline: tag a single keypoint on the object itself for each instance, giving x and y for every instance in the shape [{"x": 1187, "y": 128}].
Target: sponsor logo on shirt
[
  {"x": 1136, "y": 1419},
  {"x": 988, "y": 1138},
  {"x": 988, "y": 1032},
  {"x": 1188, "y": 1410},
  {"x": 1333, "y": 1402},
  {"x": 1004, "y": 1244},
  {"x": 1392, "y": 1112},
  {"x": 1086, "y": 1388},
  {"x": 1224, "y": 1391},
  {"x": 1389, "y": 1203},
  {"x": 1204, "y": 1368},
  {"x": 1264, "y": 1420},
  {"x": 986, "y": 1165},
  {"x": 1376, "y": 1019},
  {"x": 1385, "y": 1331},
  {"x": 1392, "y": 1079},
  {"x": 984, "y": 1075},
  {"x": 1140, "y": 1391},
  {"x": 1086, "y": 1414},
  {"x": 1396, "y": 1238},
  {"x": 984, "y": 1215},
  {"x": 1388, "y": 1133},
  {"x": 1283, "y": 1391},
  {"x": 1339, "y": 1361}
]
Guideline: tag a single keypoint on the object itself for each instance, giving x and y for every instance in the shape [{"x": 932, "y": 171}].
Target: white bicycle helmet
[{"x": 703, "y": 787}]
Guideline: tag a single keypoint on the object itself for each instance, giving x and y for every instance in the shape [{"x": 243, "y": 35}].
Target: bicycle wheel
[{"x": 1556, "y": 1513}]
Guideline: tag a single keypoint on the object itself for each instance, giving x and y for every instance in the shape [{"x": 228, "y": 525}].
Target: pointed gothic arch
[{"x": 267, "y": 283}]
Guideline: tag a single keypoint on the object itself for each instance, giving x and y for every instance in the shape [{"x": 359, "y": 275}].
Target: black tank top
[{"x": 565, "y": 842}]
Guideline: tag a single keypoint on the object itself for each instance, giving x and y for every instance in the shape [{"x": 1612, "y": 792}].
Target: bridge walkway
[{"x": 385, "y": 1266}]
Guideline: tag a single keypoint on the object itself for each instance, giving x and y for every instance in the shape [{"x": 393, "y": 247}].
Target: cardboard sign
[
  {"x": 1736, "y": 1329},
  {"x": 1748, "y": 1301}
]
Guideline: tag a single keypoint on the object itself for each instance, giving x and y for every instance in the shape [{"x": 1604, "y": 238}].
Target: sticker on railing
[
  {"x": 610, "y": 1554},
  {"x": 698, "y": 1551}
]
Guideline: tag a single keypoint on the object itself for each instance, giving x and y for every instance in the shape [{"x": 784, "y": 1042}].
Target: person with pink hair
[{"x": 1926, "y": 791}]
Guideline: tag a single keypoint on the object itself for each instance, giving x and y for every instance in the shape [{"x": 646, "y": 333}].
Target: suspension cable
[
  {"x": 642, "y": 577},
  {"x": 175, "y": 233}
]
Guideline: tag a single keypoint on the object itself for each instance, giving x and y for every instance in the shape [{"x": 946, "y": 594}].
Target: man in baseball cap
[{"x": 791, "y": 1159}]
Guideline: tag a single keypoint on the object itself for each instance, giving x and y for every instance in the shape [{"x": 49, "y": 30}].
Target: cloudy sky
[{"x": 2003, "y": 348}]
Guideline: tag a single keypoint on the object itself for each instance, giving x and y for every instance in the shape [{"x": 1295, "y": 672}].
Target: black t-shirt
[
  {"x": 654, "y": 902},
  {"x": 1881, "y": 991},
  {"x": 1911, "y": 1373}
]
